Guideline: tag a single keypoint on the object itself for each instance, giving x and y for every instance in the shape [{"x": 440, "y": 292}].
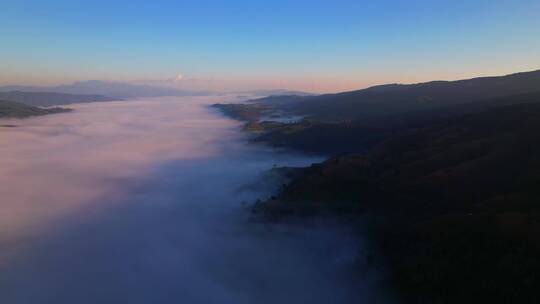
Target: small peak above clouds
[{"x": 177, "y": 78}]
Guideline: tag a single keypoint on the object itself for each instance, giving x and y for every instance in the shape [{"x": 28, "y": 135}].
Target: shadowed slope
[{"x": 11, "y": 109}]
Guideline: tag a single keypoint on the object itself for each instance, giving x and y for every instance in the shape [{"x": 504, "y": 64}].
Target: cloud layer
[{"x": 140, "y": 202}]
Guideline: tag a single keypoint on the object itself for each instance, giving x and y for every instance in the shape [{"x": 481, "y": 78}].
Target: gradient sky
[{"x": 308, "y": 45}]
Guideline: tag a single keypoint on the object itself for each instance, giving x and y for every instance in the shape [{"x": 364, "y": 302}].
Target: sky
[{"x": 319, "y": 46}]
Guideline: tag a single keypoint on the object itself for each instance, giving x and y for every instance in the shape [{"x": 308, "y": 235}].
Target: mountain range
[
  {"x": 444, "y": 176},
  {"x": 51, "y": 98},
  {"x": 386, "y": 100},
  {"x": 108, "y": 88}
]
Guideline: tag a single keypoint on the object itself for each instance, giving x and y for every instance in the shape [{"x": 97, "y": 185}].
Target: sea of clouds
[{"x": 141, "y": 202}]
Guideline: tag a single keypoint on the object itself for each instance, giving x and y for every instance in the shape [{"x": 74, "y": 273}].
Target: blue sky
[{"x": 309, "y": 45}]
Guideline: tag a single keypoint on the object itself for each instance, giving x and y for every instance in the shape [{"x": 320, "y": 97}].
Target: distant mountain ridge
[
  {"x": 109, "y": 88},
  {"x": 121, "y": 90},
  {"x": 51, "y": 98},
  {"x": 401, "y": 98},
  {"x": 277, "y": 92}
]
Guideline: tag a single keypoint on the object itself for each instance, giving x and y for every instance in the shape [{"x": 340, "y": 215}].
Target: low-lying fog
[{"x": 141, "y": 202}]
